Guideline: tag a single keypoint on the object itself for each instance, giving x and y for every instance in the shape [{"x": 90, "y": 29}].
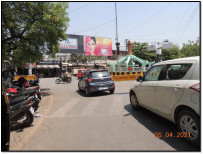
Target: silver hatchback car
[{"x": 171, "y": 89}]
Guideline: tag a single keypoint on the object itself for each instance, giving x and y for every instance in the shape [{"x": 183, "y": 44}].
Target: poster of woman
[{"x": 98, "y": 46}]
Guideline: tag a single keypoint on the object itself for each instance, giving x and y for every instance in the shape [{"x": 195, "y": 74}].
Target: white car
[{"x": 171, "y": 89}]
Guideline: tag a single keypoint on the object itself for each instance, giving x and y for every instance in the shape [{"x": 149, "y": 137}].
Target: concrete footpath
[{"x": 18, "y": 138}]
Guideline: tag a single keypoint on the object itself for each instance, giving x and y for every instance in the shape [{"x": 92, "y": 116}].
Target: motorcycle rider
[{"x": 67, "y": 74}]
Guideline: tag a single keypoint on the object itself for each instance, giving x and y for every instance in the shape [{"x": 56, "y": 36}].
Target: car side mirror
[{"x": 139, "y": 79}]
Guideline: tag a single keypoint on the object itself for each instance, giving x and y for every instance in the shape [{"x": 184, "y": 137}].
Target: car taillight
[
  {"x": 111, "y": 78},
  {"x": 196, "y": 87},
  {"x": 113, "y": 85},
  {"x": 89, "y": 80}
]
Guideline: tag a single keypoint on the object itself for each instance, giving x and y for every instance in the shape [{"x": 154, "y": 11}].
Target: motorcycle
[
  {"x": 21, "y": 112},
  {"x": 30, "y": 92},
  {"x": 16, "y": 91},
  {"x": 64, "y": 79}
]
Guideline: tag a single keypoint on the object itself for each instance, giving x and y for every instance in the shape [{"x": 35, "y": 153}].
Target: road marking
[{"x": 36, "y": 126}]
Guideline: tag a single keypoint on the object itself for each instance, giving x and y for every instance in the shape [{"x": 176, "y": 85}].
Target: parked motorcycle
[
  {"x": 64, "y": 79},
  {"x": 15, "y": 91},
  {"x": 30, "y": 92},
  {"x": 21, "y": 112}
]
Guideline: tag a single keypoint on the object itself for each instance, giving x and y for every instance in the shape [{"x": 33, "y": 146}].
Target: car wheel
[
  {"x": 79, "y": 88},
  {"x": 133, "y": 101},
  {"x": 112, "y": 91},
  {"x": 189, "y": 123},
  {"x": 87, "y": 93}
]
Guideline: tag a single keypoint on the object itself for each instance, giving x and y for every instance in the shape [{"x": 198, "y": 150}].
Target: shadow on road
[
  {"x": 124, "y": 93},
  {"x": 45, "y": 92},
  {"x": 95, "y": 94},
  {"x": 19, "y": 129},
  {"x": 44, "y": 89},
  {"x": 155, "y": 123}
]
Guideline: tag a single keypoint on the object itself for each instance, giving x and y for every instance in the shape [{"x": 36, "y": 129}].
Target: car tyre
[
  {"x": 112, "y": 91},
  {"x": 79, "y": 88},
  {"x": 189, "y": 121},
  {"x": 87, "y": 93},
  {"x": 133, "y": 101}
]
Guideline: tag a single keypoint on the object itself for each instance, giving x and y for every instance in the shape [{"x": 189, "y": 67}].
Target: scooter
[
  {"x": 21, "y": 112},
  {"x": 64, "y": 79}
]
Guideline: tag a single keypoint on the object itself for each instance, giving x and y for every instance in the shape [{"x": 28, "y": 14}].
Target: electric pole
[{"x": 117, "y": 43}]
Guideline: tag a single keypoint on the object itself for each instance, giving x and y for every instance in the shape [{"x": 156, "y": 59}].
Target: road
[{"x": 102, "y": 122}]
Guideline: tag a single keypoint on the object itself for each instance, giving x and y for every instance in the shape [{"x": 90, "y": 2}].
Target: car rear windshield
[{"x": 99, "y": 74}]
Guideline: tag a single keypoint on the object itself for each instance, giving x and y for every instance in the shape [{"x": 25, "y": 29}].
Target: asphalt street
[{"x": 102, "y": 122}]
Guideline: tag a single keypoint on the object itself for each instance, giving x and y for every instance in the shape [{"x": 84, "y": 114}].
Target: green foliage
[
  {"x": 191, "y": 49},
  {"x": 172, "y": 53},
  {"x": 31, "y": 29},
  {"x": 78, "y": 57},
  {"x": 140, "y": 50},
  {"x": 83, "y": 58}
]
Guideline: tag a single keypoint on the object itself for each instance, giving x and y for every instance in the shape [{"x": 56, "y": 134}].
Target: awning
[{"x": 47, "y": 66}]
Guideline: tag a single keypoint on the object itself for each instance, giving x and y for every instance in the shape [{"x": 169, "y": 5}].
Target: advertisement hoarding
[
  {"x": 74, "y": 44},
  {"x": 96, "y": 46},
  {"x": 69, "y": 43}
]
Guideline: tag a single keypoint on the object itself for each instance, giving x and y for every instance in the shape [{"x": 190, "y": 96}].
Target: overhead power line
[
  {"x": 147, "y": 19},
  {"x": 181, "y": 21},
  {"x": 81, "y": 7},
  {"x": 96, "y": 26},
  {"x": 188, "y": 22}
]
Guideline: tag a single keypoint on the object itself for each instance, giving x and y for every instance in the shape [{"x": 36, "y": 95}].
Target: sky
[{"x": 149, "y": 22}]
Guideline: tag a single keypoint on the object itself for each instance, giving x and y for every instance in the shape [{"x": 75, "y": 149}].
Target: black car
[{"x": 96, "y": 80}]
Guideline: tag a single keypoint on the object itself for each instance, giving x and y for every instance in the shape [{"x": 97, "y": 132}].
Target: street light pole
[{"x": 117, "y": 43}]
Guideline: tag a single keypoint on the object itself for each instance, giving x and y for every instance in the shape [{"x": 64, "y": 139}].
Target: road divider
[{"x": 125, "y": 76}]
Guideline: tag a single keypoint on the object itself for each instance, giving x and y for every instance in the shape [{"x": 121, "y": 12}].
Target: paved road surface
[{"x": 101, "y": 122}]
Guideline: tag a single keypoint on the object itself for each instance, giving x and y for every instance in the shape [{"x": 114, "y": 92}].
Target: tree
[
  {"x": 140, "y": 50},
  {"x": 78, "y": 58},
  {"x": 84, "y": 58},
  {"x": 31, "y": 29},
  {"x": 191, "y": 49},
  {"x": 172, "y": 53}
]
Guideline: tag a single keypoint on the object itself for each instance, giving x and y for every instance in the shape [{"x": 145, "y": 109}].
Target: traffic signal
[
  {"x": 118, "y": 50},
  {"x": 117, "y": 46}
]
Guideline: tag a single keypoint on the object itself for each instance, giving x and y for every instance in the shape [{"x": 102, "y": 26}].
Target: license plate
[
  {"x": 32, "y": 110},
  {"x": 103, "y": 88}
]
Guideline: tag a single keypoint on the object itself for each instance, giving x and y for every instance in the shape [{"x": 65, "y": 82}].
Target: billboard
[
  {"x": 69, "y": 43},
  {"x": 96, "y": 46},
  {"x": 74, "y": 44}
]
